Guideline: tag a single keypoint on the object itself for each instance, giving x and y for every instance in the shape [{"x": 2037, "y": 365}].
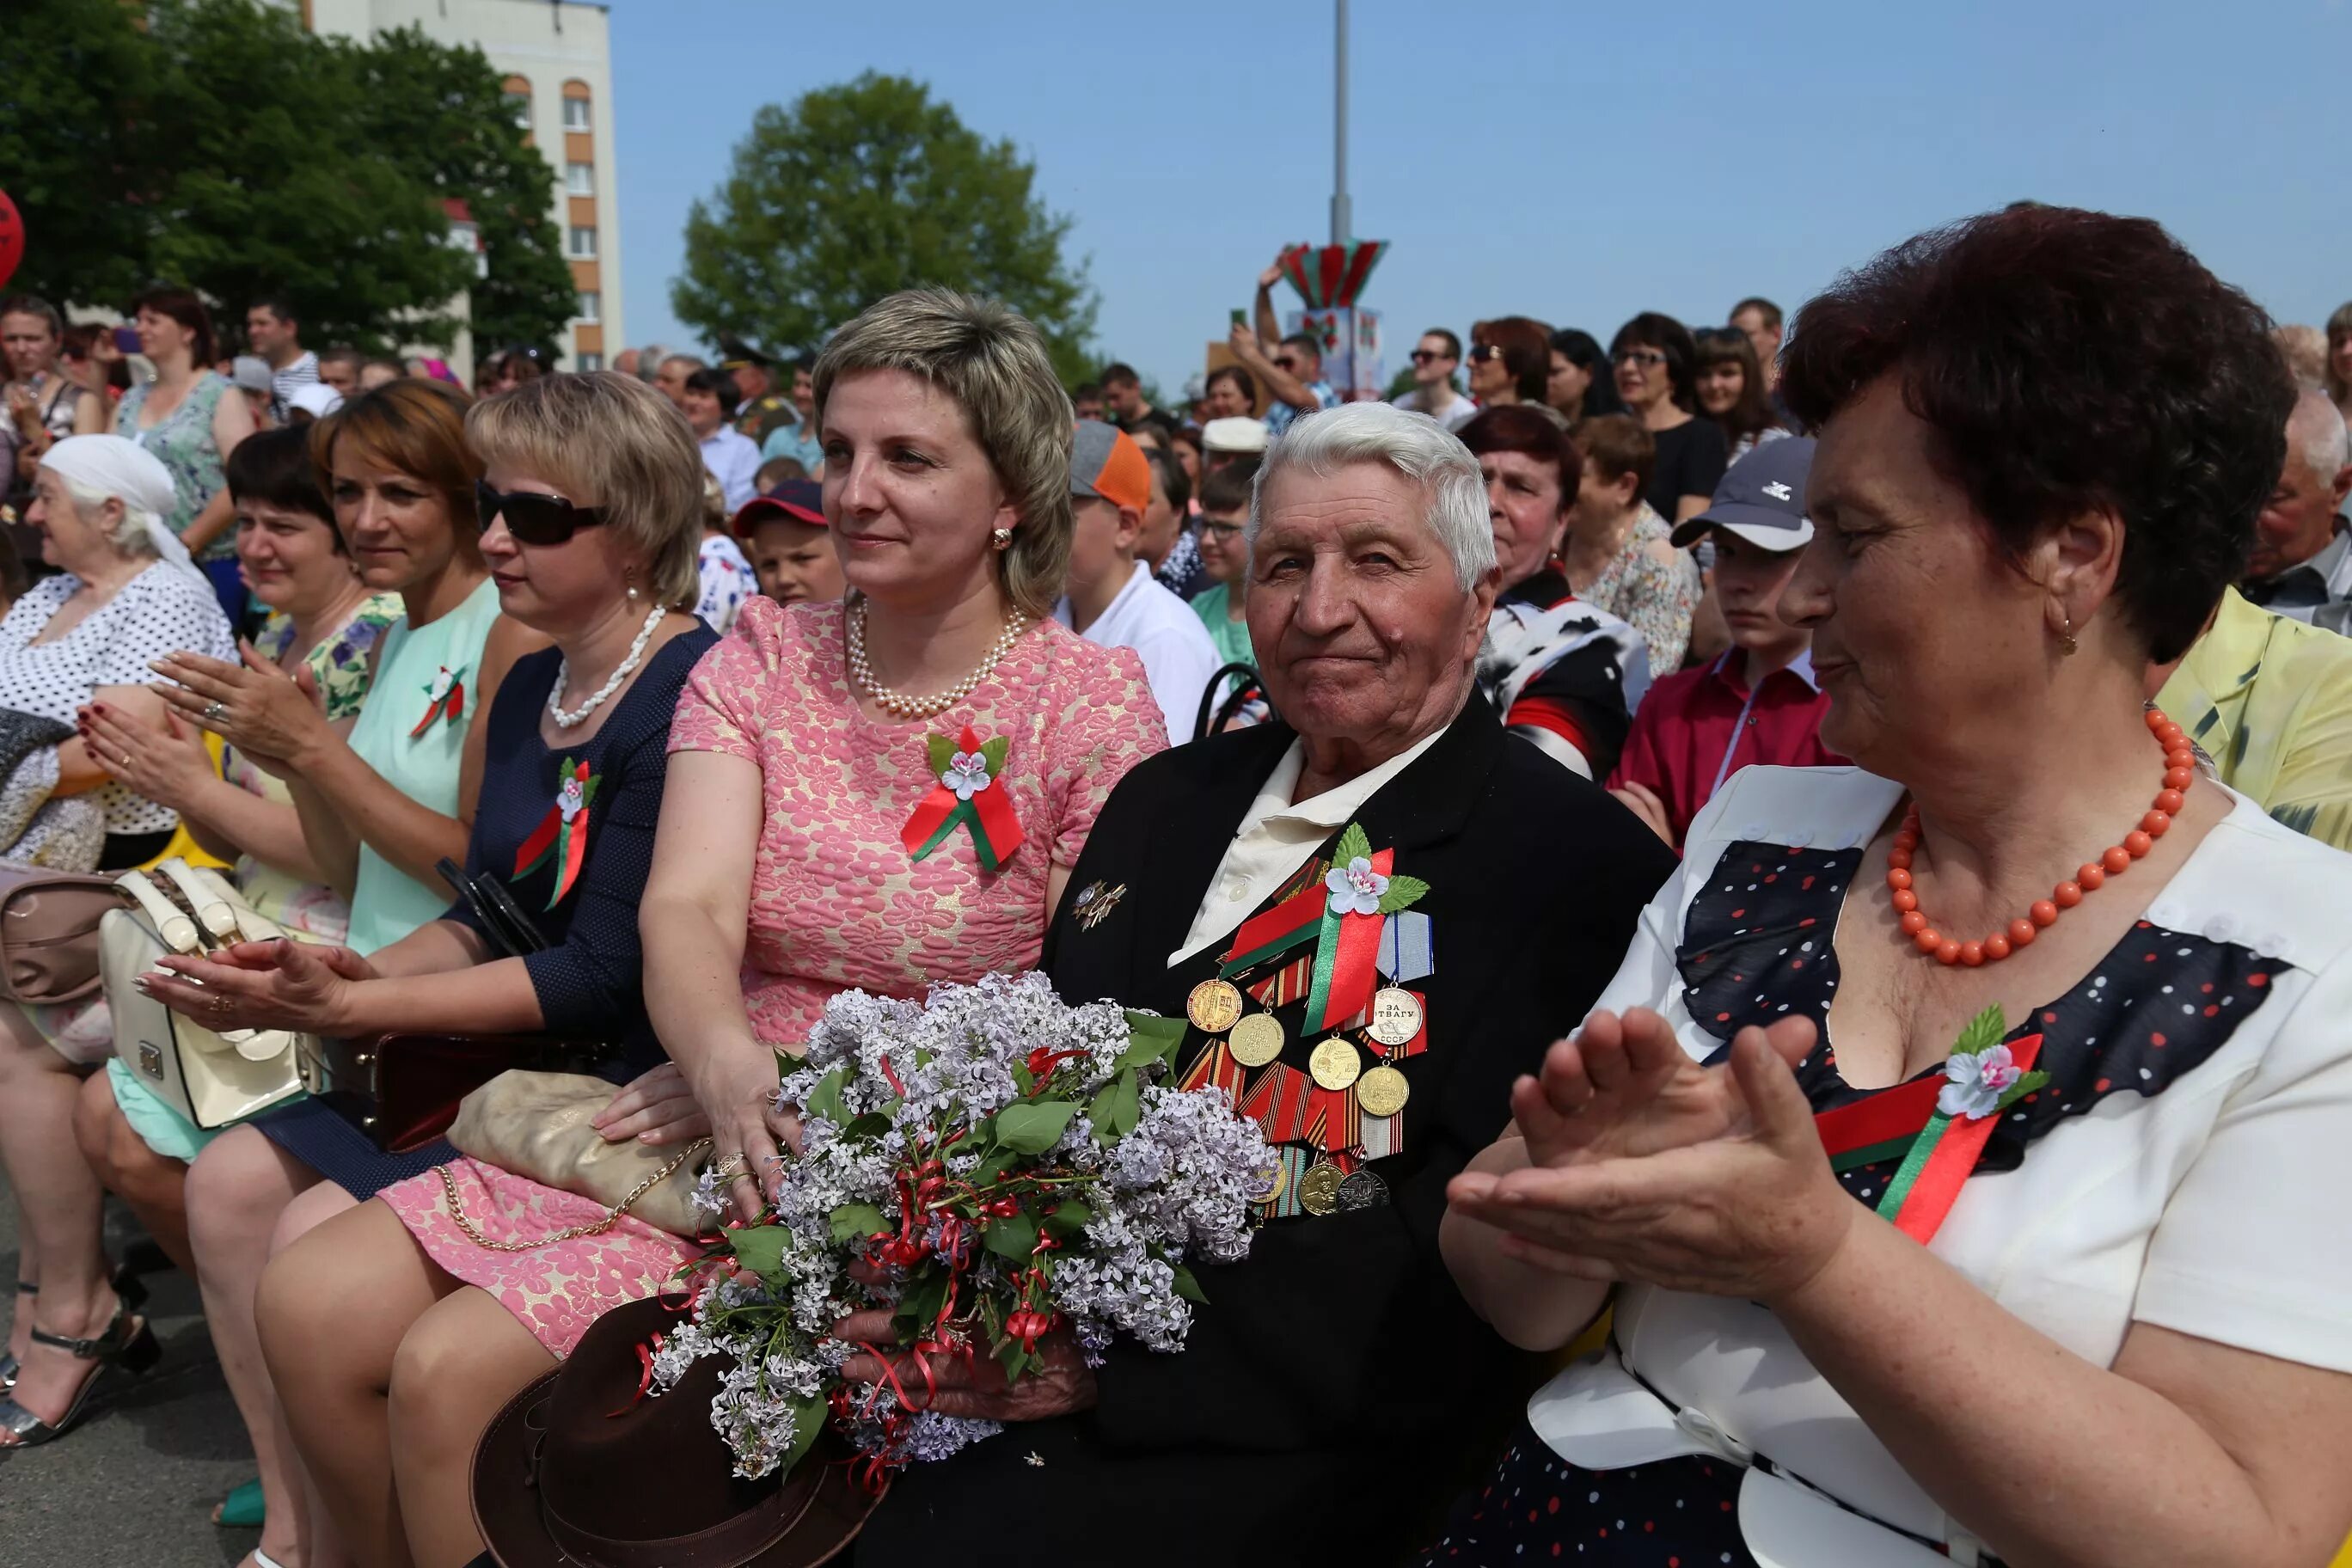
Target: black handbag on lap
[{"x": 402, "y": 1089}]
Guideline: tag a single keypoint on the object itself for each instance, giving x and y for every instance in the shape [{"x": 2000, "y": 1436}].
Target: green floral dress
[{"x": 182, "y": 441}]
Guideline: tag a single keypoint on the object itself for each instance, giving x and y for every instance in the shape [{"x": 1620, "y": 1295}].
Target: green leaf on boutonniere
[
  {"x": 942, "y": 750},
  {"x": 2024, "y": 1086},
  {"x": 1982, "y": 1034},
  {"x": 1352, "y": 846},
  {"x": 1403, "y": 894},
  {"x": 995, "y": 748}
]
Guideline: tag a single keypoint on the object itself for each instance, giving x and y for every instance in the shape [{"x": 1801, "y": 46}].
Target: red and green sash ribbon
[
  {"x": 1940, "y": 1151},
  {"x": 449, "y": 704},
  {"x": 1345, "y": 955},
  {"x": 561, "y": 837},
  {"x": 969, "y": 793},
  {"x": 1345, "y": 970}
]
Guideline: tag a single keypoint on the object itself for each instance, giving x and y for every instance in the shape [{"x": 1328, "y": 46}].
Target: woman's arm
[
  {"x": 169, "y": 765},
  {"x": 232, "y": 422},
  {"x": 1531, "y": 1307},
  {"x": 89, "y": 413}
]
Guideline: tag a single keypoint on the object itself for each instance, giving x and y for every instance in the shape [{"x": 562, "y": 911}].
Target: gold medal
[
  {"x": 1383, "y": 1091},
  {"x": 1275, "y": 1178},
  {"x": 1396, "y": 1016},
  {"x": 1335, "y": 1064},
  {"x": 1256, "y": 1040},
  {"x": 1213, "y": 1006},
  {"x": 1319, "y": 1189}
]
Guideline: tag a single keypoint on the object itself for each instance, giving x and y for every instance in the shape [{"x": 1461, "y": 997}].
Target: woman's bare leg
[
  {"x": 457, "y": 1367},
  {"x": 238, "y": 1189},
  {"x": 334, "y": 1309},
  {"x": 57, "y": 1199},
  {"x": 155, "y": 1186}
]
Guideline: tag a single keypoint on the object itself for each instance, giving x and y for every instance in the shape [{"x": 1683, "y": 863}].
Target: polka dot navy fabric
[{"x": 1758, "y": 947}]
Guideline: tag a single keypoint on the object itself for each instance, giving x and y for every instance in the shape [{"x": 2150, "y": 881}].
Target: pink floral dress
[{"x": 837, "y": 900}]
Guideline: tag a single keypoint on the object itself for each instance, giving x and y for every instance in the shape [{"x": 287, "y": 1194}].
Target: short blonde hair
[
  {"x": 615, "y": 444},
  {"x": 989, "y": 358}
]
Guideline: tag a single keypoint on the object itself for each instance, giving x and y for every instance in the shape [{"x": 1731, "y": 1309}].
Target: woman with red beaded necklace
[{"x": 1962, "y": 1135}]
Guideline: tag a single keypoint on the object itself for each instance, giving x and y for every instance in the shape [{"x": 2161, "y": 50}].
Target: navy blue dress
[{"x": 589, "y": 981}]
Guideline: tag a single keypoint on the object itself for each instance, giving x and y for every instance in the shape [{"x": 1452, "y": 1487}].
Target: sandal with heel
[
  {"x": 129, "y": 1342},
  {"x": 128, "y": 1292}
]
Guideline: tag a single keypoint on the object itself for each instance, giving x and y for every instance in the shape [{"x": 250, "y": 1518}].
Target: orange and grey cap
[{"x": 1104, "y": 461}]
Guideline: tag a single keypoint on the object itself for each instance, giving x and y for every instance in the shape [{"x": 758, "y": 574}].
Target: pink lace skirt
[{"x": 555, "y": 1291}]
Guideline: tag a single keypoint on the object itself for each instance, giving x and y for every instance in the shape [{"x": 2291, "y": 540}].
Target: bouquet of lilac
[{"x": 991, "y": 1164}]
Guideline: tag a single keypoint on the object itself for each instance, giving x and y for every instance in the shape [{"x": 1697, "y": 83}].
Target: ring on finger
[
  {"x": 728, "y": 1165},
  {"x": 214, "y": 712}
]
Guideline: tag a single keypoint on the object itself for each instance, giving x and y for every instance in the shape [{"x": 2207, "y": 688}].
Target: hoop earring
[
  {"x": 1002, "y": 538},
  {"x": 2067, "y": 645}
]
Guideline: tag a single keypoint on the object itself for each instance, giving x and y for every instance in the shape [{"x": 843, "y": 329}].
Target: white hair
[
  {"x": 133, "y": 535},
  {"x": 2316, "y": 433},
  {"x": 649, "y": 360},
  {"x": 1415, "y": 446}
]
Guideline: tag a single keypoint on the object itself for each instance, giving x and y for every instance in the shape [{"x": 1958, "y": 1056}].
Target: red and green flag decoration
[
  {"x": 1343, "y": 914},
  {"x": 1937, "y": 1125},
  {"x": 562, "y": 834},
  {"x": 1332, "y": 276},
  {"x": 966, "y": 795},
  {"x": 443, "y": 696}
]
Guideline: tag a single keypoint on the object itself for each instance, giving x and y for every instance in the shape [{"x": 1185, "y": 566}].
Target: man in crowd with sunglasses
[
  {"x": 1434, "y": 360},
  {"x": 1291, "y": 368}
]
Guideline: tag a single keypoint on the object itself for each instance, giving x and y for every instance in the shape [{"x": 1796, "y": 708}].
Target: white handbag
[{"x": 212, "y": 1080}]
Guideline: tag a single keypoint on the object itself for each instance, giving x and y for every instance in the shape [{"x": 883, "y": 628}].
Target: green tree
[{"x": 855, "y": 191}]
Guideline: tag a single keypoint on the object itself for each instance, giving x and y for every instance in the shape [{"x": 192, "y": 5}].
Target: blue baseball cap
[{"x": 1761, "y": 498}]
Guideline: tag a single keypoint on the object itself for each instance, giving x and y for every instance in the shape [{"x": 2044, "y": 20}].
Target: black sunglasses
[
  {"x": 1485, "y": 351},
  {"x": 532, "y": 518},
  {"x": 1423, "y": 356}
]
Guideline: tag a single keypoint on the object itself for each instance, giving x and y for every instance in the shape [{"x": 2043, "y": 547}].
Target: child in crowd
[
  {"x": 1224, "y": 555},
  {"x": 791, "y": 552},
  {"x": 1756, "y": 701}
]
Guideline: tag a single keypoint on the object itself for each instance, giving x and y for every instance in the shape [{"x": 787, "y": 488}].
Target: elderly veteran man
[{"x": 1375, "y": 915}]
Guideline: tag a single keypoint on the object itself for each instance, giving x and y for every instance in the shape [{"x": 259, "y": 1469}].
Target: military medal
[
  {"x": 1383, "y": 1091},
  {"x": 1396, "y": 1016},
  {"x": 1319, "y": 1189},
  {"x": 1215, "y": 1007},
  {"x": 1094, "y": 902},
  {"x": 1335, "y": 1064},
  {"x": 1257, "y": 1040},
  {"x": 1363, "y": 1191}
]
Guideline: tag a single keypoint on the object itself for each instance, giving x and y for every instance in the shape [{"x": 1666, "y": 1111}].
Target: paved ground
[{"x": 134, "y": 1485}]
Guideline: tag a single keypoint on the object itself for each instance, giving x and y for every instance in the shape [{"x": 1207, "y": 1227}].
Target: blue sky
[{"x": 1567, "y": 160}]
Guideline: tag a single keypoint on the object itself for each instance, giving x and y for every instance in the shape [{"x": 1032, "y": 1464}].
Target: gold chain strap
[{"x": 570, "y": 1233}]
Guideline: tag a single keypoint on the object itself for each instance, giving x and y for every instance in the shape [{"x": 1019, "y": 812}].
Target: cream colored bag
[
  {"x": 212, "y": 1080},
  {"x": 536, "y": 1124}
]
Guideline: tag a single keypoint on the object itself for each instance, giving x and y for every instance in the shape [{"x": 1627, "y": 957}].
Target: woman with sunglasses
[
  {"x": 591, "y": 517},
  {"x": 1655, "y": 361},
  {"x": 1509, "y": 361}
]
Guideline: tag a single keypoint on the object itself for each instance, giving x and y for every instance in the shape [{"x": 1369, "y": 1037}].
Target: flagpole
[{"x": 1342, "y": 220}]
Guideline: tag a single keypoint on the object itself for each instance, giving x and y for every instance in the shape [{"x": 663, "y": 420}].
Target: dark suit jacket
[{"x": 1336, "y": 1391}]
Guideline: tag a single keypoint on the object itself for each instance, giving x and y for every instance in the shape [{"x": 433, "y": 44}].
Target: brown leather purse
[
  {"x": 49, "y": 932},
  {"x": 402, "y": 1089}
]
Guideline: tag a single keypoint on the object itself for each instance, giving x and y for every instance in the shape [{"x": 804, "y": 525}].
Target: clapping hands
[{"x": 1645, "y": 1166}]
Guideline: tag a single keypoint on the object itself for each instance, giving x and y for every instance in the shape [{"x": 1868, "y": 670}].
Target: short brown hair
[
  {"x": 1534, "y": 430},
  {"x": 625, "y": 451},
  {"x": 1618, "y": 446},
  {"x": 993, "y": 363},
  {"x": 183, "y": 306},
  {"x": 416, "y": 427}
]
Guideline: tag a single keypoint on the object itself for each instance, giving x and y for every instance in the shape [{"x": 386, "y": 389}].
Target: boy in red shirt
[{"x": 1756, "y": 701}]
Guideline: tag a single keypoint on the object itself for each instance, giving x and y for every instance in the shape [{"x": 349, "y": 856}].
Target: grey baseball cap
[
  {"x": 250, "y": 373},
  {"x": 1761, "y": 497}
]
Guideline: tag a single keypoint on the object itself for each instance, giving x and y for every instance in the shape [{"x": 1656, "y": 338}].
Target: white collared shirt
[
  {"x": 733, "y": 460},
  {"x": 1275, "y": 837},
  {"x": 1178, "y": 654}
]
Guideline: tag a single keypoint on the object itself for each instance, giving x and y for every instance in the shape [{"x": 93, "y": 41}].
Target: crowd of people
[{"x": 1727, "y": 691}]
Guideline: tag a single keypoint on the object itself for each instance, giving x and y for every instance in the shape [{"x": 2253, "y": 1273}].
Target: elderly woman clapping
[
  {"x": 1965, "y": 1130},
  {"x": 125, "y": 593},
  {"x": 1339, "y": 1345}
]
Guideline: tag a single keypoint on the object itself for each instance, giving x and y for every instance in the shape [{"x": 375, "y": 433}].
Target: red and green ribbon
[
  {"x": 440, "y": 701},
  {"x": 561, "y": 835},
  {"x": 982, "y": 806},
  {"x": 1938, "y": 1151},
  {"x": 1347, "y": 947}
]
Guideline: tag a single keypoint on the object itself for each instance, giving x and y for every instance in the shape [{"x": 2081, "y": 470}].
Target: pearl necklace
[
  {"x": 899, "y": 704},
  {"x": 579, "y": 715}
]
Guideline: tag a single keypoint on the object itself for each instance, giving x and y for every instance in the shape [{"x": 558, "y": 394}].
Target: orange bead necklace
[{"x": 2180, "y": 773}]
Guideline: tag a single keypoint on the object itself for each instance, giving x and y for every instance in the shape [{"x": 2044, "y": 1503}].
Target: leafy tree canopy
[{"x": 856, "y": 191}]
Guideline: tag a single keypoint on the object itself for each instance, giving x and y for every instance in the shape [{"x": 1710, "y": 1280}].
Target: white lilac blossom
[{"x": 904, "y": 1164}]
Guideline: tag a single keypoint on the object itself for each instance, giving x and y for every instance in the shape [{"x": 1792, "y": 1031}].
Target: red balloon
[{"x": 12, "y": 238}]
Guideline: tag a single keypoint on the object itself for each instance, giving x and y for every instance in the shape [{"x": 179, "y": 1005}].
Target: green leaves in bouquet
[
  {"x": 919, "y": 1305},
  {"x": 1190, "y": 1287},
  {"x": 1353, "y": 845},
  {"x": 1115, "y": 1110},
  {"x": 825, "y": 1100},
  {"x": 855, "y": 1221},
  {"x": 1013, "y": 1236},
  {"x": 1028, "y": 1127},
  {"x": 1150, "y": 1038},
  {"x": 808, "y": 1419},
  {"x": 760, "y": 1248},
  {"x": 1068, "y": 1219}
]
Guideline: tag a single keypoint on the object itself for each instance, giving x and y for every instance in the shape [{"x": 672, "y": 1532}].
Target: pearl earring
[
  {"x": 1002, "y": 538},
  {"x": 632, "y": 581}
]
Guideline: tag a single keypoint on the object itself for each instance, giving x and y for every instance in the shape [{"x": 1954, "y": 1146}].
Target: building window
[
  {"x": 583, "y": 246},
  {"x": 575, "y": 115},
  {"x": 591, "y": 361},
  {"x": 589, "y": 301},
  {"x": 580, "y": 179},
  {"x": 518, "y": 105}
]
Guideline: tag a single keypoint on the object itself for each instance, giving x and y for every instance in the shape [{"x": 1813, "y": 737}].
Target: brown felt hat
[{"x": 578, "y": 1471}]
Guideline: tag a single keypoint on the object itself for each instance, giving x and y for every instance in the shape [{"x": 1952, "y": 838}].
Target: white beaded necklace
[
  {"x": 899, "y": 704},
  {"x": 579, "y": 715}
]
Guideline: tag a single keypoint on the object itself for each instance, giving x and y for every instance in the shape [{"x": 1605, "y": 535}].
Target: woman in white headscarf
[{"x": 126, "y": 594}]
